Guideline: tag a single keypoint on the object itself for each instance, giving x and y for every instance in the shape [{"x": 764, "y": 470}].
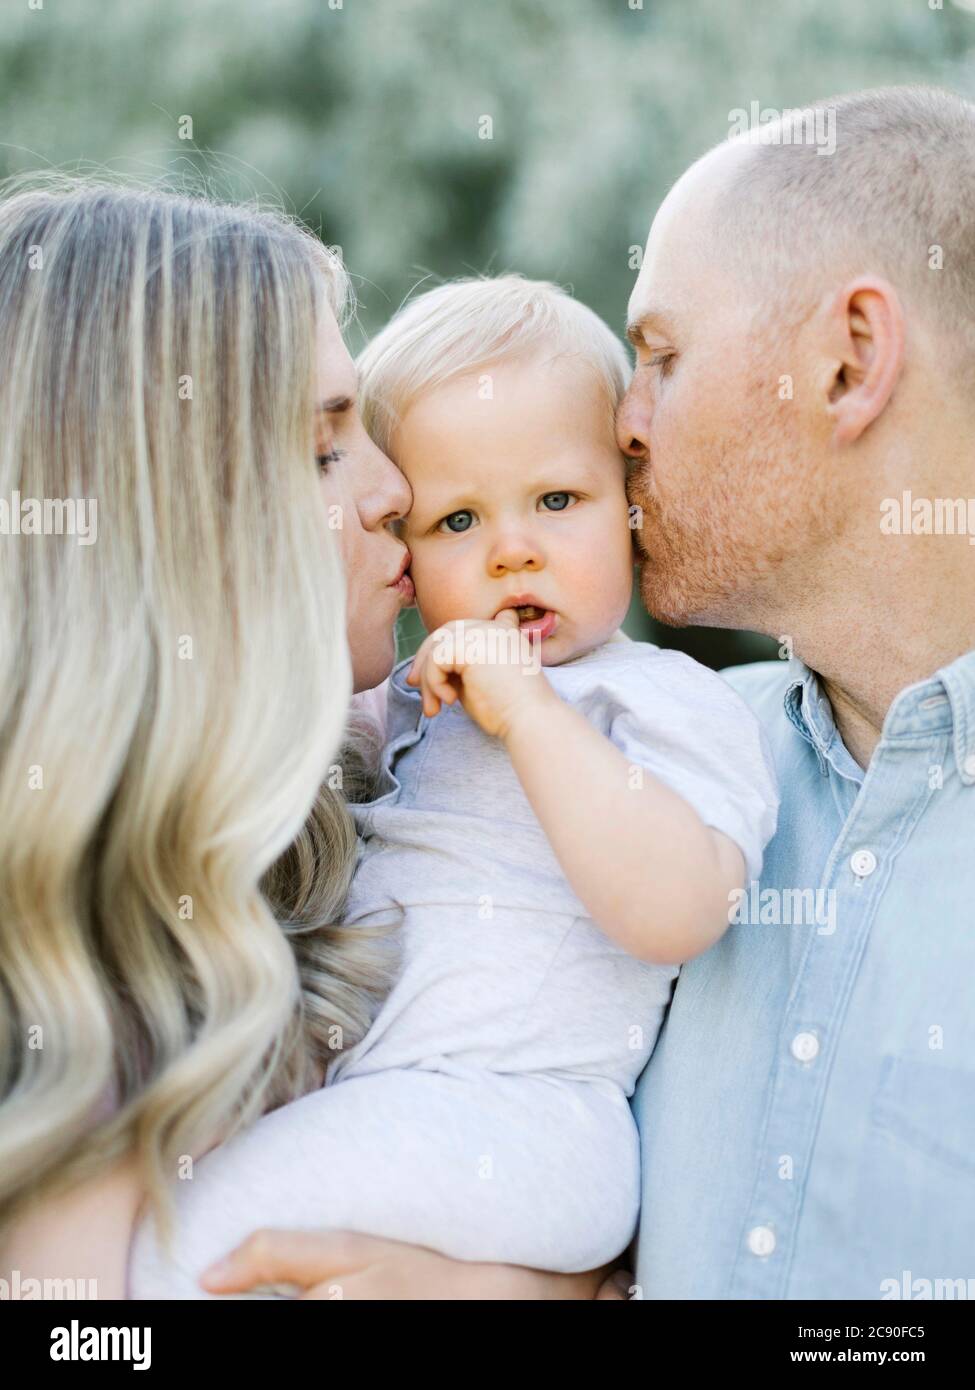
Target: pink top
[{"x": 373, "y": 702}]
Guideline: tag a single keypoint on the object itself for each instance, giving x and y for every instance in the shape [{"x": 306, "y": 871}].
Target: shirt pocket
[{"x": 930, "y": 1107}]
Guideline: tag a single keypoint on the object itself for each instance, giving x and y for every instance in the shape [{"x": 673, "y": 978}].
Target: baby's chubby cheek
[{"x": 440, "y": 591}]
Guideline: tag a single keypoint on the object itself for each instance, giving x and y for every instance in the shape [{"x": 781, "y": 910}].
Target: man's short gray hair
[{"x": 896, "y": 197}]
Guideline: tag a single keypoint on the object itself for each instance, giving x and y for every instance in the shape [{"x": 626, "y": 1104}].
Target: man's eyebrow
[
  {"x": 651, "y": 317},
  {"x": 336, "y": 405}
]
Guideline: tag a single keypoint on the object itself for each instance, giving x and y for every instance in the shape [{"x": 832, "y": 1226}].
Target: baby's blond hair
[{"x": 471, "y": 323}]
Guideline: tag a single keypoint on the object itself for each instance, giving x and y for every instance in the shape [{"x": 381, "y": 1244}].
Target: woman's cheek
[{"x": 337, "y": 518}]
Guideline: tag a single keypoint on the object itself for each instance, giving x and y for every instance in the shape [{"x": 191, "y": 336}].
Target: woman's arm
[
  {"x": 82, "y": 1234},
  {"x": 57, "y": 1242},
  {"x": 344, "y": 1265}
]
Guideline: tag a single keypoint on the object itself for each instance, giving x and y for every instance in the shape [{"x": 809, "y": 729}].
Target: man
[
  {"x": 804, "y": 324},
  {"x": 805, "y": 354}
]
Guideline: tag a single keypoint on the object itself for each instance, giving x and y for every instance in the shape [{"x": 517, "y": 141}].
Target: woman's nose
[{"x": 390, "y": 496}]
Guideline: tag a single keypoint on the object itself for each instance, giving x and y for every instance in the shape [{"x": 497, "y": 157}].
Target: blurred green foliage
[{"x": 365, "y": 118}]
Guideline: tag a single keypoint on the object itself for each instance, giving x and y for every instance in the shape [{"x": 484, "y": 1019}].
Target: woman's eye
[
  {"x": 333, "y": 456},
  {"x": 556, "y": 501},
  {"x": 663, "y": 360},
  {"x": 457, "y": 522}
]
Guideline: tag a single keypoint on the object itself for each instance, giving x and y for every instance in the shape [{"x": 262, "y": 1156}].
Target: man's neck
[
  {"x": 872, "y": 611},
  {"x": 866, "y": 653},
  {"x": 858, "y": 726}
]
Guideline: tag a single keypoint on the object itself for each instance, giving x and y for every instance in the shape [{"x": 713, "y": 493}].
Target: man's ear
[{"x": 867, "y": 348}]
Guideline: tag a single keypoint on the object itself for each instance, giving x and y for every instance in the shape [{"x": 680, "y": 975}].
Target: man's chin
[{"x": 679, "y": 599}]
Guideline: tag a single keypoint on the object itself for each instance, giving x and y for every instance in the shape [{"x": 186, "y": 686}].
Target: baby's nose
[{"x": 510, "y": 558}]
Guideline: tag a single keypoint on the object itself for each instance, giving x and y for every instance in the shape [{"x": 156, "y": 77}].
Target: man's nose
[{"x": 633, "y": 427}]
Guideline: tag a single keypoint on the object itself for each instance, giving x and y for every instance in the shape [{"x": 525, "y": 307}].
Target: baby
[{"x": 561, "y": 819}]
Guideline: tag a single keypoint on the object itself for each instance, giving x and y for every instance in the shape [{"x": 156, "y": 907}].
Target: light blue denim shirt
[{"x": 808, "y": 1114}]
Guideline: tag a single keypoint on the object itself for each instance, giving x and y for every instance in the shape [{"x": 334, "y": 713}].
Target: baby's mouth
[{"x": 537, "y": 623}]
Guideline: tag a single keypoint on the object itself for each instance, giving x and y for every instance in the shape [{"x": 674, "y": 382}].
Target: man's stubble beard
[{"x": 730, "y": 555}]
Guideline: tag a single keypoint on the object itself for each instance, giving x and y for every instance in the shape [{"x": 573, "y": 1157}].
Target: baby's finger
[
  {"x": 413, "y": 674},
  {"x": 508, "y": 617},
  {"x": 423, "y": 653},
  {"x": 436, "y": 687}
]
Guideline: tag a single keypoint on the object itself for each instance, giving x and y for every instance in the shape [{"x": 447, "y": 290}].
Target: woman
[
  {"x": 172, "y": 695},
  {"x": 171, "y": 698}
]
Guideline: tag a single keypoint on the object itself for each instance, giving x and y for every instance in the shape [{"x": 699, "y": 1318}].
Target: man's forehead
[
  {"x": 681, "y": 240},
  {"x": 656, "y": 297}
]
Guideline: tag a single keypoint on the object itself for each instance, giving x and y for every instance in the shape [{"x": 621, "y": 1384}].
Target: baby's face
[{"x": 518, "y": 494}]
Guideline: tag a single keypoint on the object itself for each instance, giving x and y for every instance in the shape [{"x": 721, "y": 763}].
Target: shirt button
[
  {"x": 863, "y": 862},
  {"x": 804, "y": 1047},
  {"x": 970, "y": 765},
  {"x": 761, "y": 1240}
]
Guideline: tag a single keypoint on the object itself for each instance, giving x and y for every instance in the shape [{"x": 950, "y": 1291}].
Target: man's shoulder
[
  {"x": 658, "y": 682},
  {"x": 762, "y": 685}
]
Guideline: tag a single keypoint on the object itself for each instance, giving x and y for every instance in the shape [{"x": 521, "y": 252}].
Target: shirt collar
[
  {"x": 808, "y": 709},
  {"x": 958, "y": 681},
  {"x": 945, "y": 702}
]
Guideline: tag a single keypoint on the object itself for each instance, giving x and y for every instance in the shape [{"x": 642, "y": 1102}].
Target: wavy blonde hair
[{"x": 170, "y": 696}]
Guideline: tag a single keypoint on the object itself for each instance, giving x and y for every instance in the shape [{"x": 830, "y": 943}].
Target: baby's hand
[{"x": 489, "y": 665}]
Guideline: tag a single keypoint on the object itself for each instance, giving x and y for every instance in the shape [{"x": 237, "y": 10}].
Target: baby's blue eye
[
  {"x": 557, "y": 501},
  {"x": 458, "y": 521}
]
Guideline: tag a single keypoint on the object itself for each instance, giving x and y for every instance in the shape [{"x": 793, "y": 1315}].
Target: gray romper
[{"x": 485, "y": 1113}]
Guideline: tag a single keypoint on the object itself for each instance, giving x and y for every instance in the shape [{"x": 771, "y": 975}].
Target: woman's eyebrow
[{"x": 336, "y": 405}]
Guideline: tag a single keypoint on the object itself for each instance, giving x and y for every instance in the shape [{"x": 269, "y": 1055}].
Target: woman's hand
[
  {"x": 342, "y": 1264},
  {"x": 495, "y": 670}
]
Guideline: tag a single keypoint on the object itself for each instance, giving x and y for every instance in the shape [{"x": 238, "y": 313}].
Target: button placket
[
  {"x": 826, "y": 973},
  {"x": 805, "y": 1047},
  {"x": 863, "y": 862},
  {"x": 761, "y": 1241}
]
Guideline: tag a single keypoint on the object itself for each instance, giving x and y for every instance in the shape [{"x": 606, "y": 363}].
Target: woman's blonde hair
[
  {"x": 470, "y": 323},
  {"x": 171, "y": 695}
]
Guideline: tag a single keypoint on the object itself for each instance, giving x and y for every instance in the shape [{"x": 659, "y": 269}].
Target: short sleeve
[{"x": 686, "y": 725}]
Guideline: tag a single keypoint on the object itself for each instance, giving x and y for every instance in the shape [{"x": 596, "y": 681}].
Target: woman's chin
[{"x": 371, "y": 668}]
